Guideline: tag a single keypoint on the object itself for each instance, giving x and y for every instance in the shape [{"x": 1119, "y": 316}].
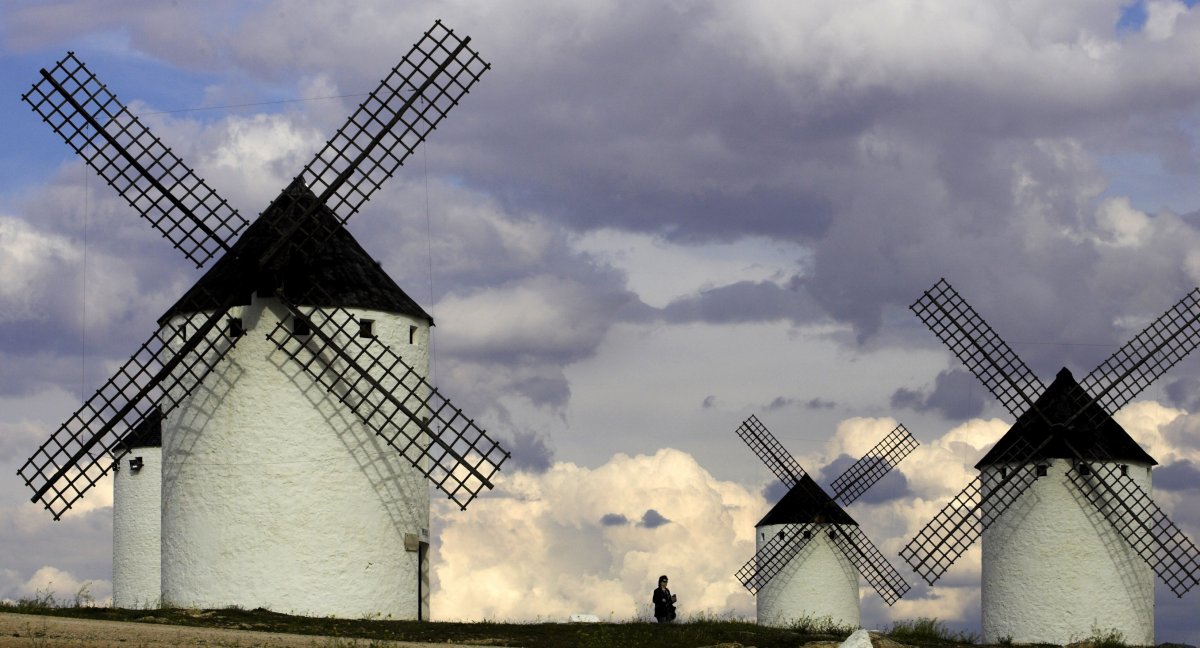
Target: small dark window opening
[
  {"x": 300, "y": 327},
  {"x": 182, "y": 330},
  {"x": 1003, "y": 472},
  {"x": 234, "y": 328},
  {"x": 832, "y": 534},
  {"x": 1124, "y": 470},
  {"x": 135, "y": 464},
  {"x": 1084, "y": 468},
  {"x": 808, "y": 535},
  {"x": 781, "y": 535},
  {"x": 1042, "y": 470},
  {"x": 366, "y": 328},
  {"x": 412, "y": 334}
]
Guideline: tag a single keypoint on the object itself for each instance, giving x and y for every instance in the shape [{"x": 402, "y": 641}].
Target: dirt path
[{"x": 36, "y": 630}]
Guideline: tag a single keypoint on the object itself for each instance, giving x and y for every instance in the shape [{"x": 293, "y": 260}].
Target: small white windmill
[
  {"x": 293, "y": 461},
  {"x": 1063, "y": 500},
  {"x": 809, "y": 551}
]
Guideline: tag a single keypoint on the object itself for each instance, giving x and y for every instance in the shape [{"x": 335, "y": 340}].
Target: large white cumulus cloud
[{"x": 575, "y": 539}]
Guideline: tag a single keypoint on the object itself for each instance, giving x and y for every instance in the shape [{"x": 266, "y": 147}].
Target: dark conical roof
[
  {"x": 147, "y": 434},
  {"x": 348, "y": 275},
  {"x": 806, "y": 502},
  {"x": 1106, "y": 440}
]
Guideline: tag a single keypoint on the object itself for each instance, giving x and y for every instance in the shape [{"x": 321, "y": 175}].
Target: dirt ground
[{"x": 35, "y": 630}]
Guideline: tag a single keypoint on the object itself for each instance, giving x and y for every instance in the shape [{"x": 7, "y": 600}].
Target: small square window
[
  {"x": 807, "y": 535},
  {"x": 1124, "y": 470},
  {"x": 1084, "y": 468},
  {"x": 412, "y": 334},
  {"x": 1042, "y": 470},
  {"x": 366, "y": 328},
  {"x": 234, "y": 328},
  {"x": 300, "y": 327}
]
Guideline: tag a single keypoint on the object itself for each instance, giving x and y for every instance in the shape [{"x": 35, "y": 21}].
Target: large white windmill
[
  {"x": 1063, "y": 499},
  {"x": 809, "y": 552},
  {"x": 287, "y": 386}
]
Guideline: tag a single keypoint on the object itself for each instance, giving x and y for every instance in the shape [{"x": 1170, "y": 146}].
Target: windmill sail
[
  {"x": 393, "y": 400},
  {"x": 151, "y": 178},
  {"x": 974, "y": 342},
  {"x": 768, "y": 561},
  {"x": 771, "y": 451},
  {"x": 166, "y": 369},
  {"x": 871, "y": 467},
  {"x": 869, "y": 562}
]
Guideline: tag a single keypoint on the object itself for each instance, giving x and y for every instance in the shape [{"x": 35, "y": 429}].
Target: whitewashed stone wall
[
  {"x": 274, "y": 495},
  {"x": 818, "y": 583},
  {"x": 1054, "y": 570},
  {"x": 136, "y": 525}
]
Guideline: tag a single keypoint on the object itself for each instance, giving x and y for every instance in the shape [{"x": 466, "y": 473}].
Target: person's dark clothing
[{"x": 664, "y": 605}]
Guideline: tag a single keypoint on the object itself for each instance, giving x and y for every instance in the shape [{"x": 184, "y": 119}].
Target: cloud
[
  {"x": 613, "y": 519},
  {"x": 956, "y": 395},
  {"x": 652, "y": 519},
  {"x": 1179, "y": 476},
  {"x": 530, "y": 451},
  {"x": 569, "y": 546}
]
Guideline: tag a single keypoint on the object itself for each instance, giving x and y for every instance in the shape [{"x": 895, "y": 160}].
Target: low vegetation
[{"x": 702, "y": 630}]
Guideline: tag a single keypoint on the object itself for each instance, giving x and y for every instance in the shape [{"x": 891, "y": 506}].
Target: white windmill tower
[
  {"x": 1063, "y": 500},
  {"x": 809, "y": 552},
  {"x": 294, "y": 459}
]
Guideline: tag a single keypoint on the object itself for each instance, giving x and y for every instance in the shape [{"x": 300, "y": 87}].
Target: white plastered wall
[
  {"x": 1055, "y": 571},
  {"x": 818, "y": 583},
  {"x": 275, "y": 495},
  {"x": 136, "y": 525}
]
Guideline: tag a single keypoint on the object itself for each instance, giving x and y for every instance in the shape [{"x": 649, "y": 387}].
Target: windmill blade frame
[
  {"x": 972, "y": 340},
  {"x": 1151, "y": 353},
  {"x": 365, "y": 375},
  {"x": 112, "y": 140},
  {"x": 870, "y": 562},
  {"x": 1142, "y": 523},
  {"x": 962, "y": 521},
  {"x": 768, "y": 561},
  {"x": 439, "y": 70},
  {"x": 770, "y": 451},
  {"x": 152, "y": 382},
  {"x": 877, "y": 462}
]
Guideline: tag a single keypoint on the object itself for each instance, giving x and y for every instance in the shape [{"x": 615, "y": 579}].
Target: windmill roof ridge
[
  {"x": 349, "y": 276},
  {"x": 1108, "y": 440},
  {"x": 806, "y": 502}
]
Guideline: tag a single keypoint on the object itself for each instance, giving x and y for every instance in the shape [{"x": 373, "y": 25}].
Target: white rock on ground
[{"x": 858, "y": 639}]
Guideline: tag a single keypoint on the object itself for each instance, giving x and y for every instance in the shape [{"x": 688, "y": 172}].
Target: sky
[{"x": 647, "y": 222}]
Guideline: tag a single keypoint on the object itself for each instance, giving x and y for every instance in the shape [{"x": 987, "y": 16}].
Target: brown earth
[{"x": 37, "y": 630}]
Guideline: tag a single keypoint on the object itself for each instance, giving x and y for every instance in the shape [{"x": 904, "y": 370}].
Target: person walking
[{"x": 664, "y": 602}]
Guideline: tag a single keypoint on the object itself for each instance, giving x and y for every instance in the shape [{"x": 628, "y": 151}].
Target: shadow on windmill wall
[{"x": 393, "y": 480}]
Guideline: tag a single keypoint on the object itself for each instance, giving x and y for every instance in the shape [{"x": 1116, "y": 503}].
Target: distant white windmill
[
  {"x": 1063, "y": 500},
  {"x": 296, "y": 443},
  {"x": 809, "y": 551}
]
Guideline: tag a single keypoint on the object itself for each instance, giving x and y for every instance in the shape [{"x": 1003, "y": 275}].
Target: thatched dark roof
[
  {"x": 806, "y": 502},
  {"x": 336, "y": 262},
  {"x": 1106, "y": 440}
]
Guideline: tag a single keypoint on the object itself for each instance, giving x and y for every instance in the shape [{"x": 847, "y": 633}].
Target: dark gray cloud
[
  {"x": 745, "y": 301},
  {"x": 652, "y": 519},
  {"x": 1179, "y": 476},
  {"x": 957, "y": 395},
  {"x": 613, "y": 519},
  {"x": 530, "y": 451},
  {"x": 1183, "y": 392},
  {"x": 774, "y": 491}
]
